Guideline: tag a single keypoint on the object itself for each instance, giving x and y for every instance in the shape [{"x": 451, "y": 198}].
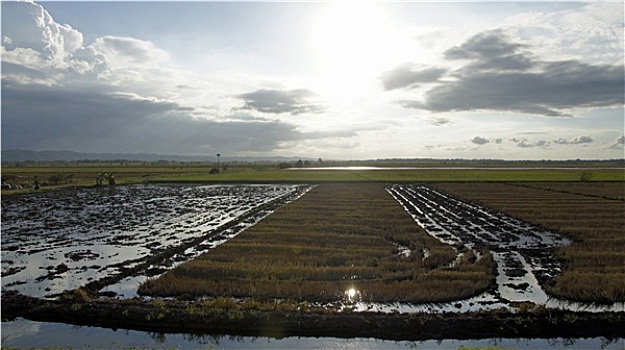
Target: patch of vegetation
[
  {"x": 338, "y": 237},
  {"x": 594, "y": 264},
  {"x": 59, "y": 175}
]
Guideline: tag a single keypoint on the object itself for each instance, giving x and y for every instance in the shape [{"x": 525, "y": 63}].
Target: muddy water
[
  {"x": 58, "y": 241},
  {"x": 523, "y": 252}
]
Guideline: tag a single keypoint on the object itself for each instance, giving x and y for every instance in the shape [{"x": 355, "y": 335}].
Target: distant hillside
[{"x": 18, "y": 156}]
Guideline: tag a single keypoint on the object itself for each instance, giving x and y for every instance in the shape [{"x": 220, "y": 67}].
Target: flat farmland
[
  {"x": 54, "y": 176},
  {"x": 592, "y": 215},
  {"x": 391, "y": 260},
  {"x": 339, "y": 241}
]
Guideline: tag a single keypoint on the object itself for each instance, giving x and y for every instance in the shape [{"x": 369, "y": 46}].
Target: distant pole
[{"x": 218, "y": 155}]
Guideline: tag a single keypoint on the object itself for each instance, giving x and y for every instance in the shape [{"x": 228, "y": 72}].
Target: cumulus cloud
[
  {"x": 29, "y": 26},
  {"x": 38, "y": 50},
  {"x": 502, "y": 75},
  {"x": 295, "y": 101},
  {"x": 574, "y": 141},
  {"x": 525, "y": 143},
  {"x": 121, "y": 52},
  {"x": 592, "y": 31},
  {"x": 406, "y": 76},
  {"x": 618, "y": 143},
  {"x": 480, "y": 140}
]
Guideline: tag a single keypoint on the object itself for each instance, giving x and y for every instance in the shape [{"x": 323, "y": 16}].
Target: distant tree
[
  {"x": 284, "y": 165},
  {"x": 585, "y": 176},
  {"x": 299, "y": 163}
]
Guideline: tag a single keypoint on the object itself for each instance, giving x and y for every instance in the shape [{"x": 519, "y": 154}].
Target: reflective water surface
[
  {"x": 56, "y": 241},
  {"x": 29, "y": 334}
]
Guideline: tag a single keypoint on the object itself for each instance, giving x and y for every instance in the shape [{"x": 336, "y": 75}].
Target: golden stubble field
[
  {"x": 341, "y": 237},
  {"x": 591, "y": 214},
  {"x": 338, "y": 241}
]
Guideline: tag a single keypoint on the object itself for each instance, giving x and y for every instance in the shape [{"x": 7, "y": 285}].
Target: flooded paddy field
[
  {"x": 58, "y": 241},
  {"x": 348, "y": 239}
]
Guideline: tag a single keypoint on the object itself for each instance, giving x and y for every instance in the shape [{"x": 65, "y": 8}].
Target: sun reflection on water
[{"x": 352, "y": 294}]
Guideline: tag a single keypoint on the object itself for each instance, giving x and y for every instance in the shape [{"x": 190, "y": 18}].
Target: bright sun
[{"x": 352, "y": 44}]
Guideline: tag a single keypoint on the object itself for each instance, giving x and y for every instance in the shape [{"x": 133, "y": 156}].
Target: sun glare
[
  {"x": 352, "y": 44},
  {"x": 351, "y": 294}
]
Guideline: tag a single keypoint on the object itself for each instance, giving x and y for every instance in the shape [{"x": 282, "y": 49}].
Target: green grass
[
  {"x": 421, "y": 175},
  {"x": 85, "y": 175}
]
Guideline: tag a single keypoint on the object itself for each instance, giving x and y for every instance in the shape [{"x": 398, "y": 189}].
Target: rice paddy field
[
  {"x": 339, "y": 241},
  {"x": 378, "y": 242},
  {"x": 591, "y": 214}
]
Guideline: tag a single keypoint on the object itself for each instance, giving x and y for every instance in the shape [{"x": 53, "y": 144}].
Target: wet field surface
[
  {"x": 63, "y": 240},
  {"x": 59, "y": 241},
  {"x": 524, "y": 253}
]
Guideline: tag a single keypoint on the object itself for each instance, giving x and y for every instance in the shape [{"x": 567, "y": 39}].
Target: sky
[{"x": 330, "y": 80}]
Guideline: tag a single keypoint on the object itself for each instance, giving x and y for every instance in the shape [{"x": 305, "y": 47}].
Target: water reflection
[
  {"x": 352, "y": 294},
  {"x": 31, "y": 334},
  {"x": 56, "y": 241}
]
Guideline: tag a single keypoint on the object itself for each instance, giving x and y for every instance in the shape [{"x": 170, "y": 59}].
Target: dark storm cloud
[
  {"x": 406, "y": 76},
  {"x": 49, "y": 118},
  {"x": 281, "y": 101},
  {"x": 504, "y": 76}
]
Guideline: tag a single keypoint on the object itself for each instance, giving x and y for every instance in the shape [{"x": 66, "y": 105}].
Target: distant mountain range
[{"x": 17, "y": 156}]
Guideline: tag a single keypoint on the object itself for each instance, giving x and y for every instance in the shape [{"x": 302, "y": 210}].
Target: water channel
[{"x": 31, "y": 334}]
